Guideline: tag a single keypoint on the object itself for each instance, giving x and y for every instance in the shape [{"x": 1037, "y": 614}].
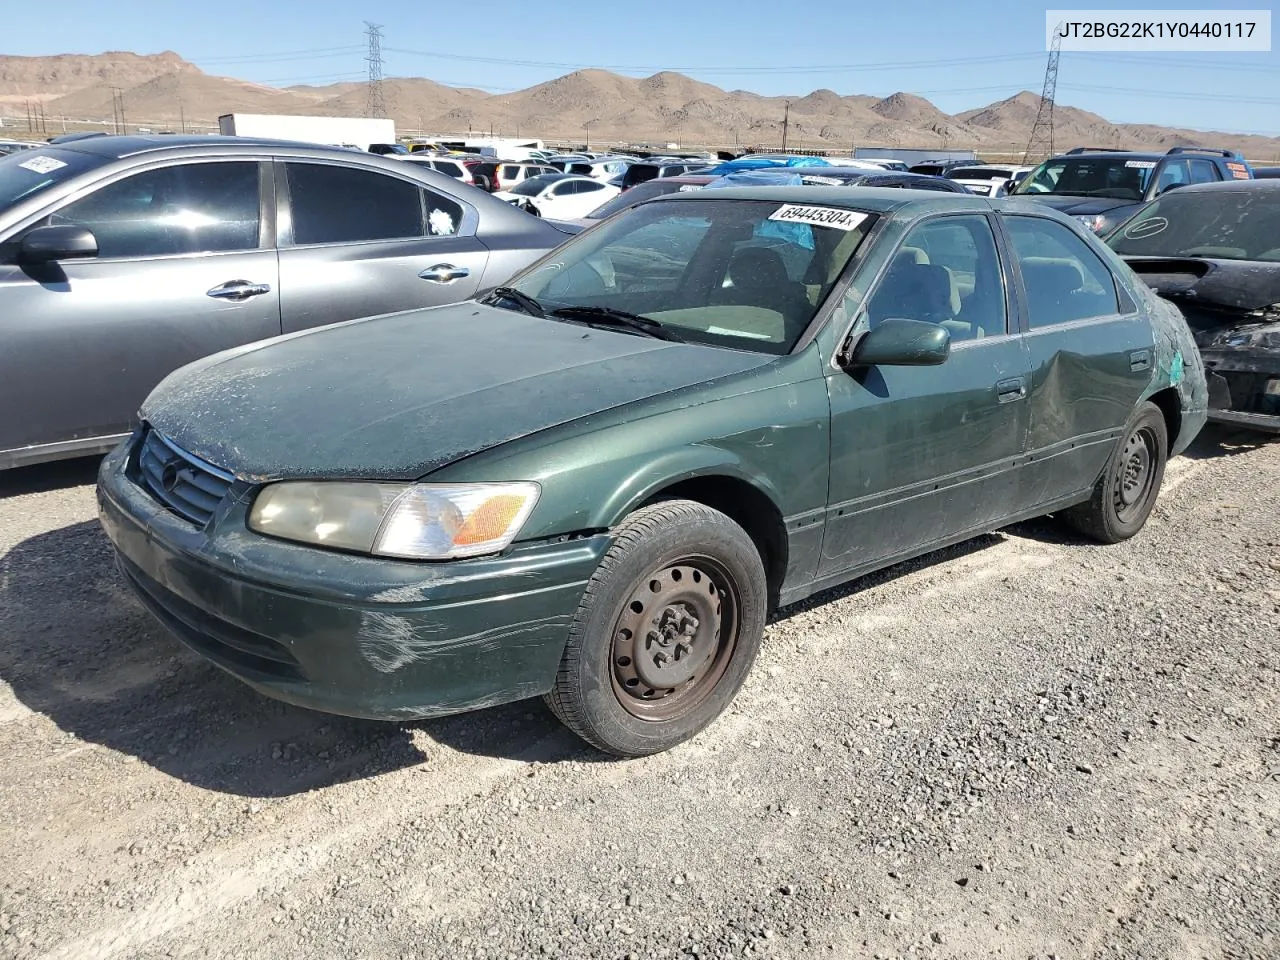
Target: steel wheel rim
[
  {"x": 673, "y": 638},
  {"x": 1136, "y": 475}
]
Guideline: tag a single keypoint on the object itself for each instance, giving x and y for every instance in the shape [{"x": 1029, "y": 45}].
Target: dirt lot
[{"x": 1023, "y": 747}]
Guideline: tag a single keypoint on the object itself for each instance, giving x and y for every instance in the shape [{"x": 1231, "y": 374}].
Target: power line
[
  {"x": 316, "y": 53},
  {"x": 332, "y": 77},
  {"x": 744, "y": 69},
  {"x": 1181, "y": 64},
  {"x": 1175, "y": 95},
  {"x": 377, "y": 105}
]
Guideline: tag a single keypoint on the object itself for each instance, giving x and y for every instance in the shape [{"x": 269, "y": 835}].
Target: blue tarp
[
  {"x": 758, "y": 178},
  {"x": 764, "y": 163},
  {"x": 798, "y": 233}
]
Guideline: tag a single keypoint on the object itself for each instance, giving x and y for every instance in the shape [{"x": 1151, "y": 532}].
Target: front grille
[{"x": 185, "y": 484}]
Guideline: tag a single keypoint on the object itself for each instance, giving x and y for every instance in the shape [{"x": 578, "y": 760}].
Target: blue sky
[{"x": 958, "y": 55}]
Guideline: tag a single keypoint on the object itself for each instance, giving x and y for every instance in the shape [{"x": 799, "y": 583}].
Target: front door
[
  {"x": 922, "y": 455},
  {"x": 184, "y": 269},
  {"x": 1091, "y": 358},
  {"x": 356, "y": 243}
]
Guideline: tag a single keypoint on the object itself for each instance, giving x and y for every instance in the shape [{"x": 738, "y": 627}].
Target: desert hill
[{"x": 162, "y": 90}]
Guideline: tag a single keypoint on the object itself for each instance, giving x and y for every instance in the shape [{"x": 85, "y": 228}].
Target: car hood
[
  {"x": 398, "y": 396},
  {"x": 1080, "y": 206}
]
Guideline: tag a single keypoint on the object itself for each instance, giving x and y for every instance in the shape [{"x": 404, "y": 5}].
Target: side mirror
[
  {"x": 899, "y": 342},
  {"x": 46, "y": 244},
  {"x": 1009, "y": 186}
]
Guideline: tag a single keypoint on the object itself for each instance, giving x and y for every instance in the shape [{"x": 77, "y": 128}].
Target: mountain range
[{"x": 163, "y": 90}]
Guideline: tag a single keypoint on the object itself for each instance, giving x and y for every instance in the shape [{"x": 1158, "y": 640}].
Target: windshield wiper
[
  {"x": 608, "y": 317},
  {"x": 523, "y": 300}
]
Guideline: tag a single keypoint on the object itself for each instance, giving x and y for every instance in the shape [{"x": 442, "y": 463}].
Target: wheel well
[
  {"x": 748, "y": 507},
  {"x": 1171, "y": 406}
]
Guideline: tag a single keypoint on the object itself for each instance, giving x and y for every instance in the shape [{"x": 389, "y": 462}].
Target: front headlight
[{"x": 425, "y": 521}]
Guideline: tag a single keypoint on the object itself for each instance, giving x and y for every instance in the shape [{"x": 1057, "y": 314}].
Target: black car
[
  {"x": 639, "y": 173},
  {"x": 843, "y": 177},
  {"x": 936, "y": 168},
  {"x": 1101, "y": 187},
  {"x": 1214, "y": 250}
]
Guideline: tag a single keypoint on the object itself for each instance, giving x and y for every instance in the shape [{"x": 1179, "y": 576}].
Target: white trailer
[{"x": 334, "y": 131}]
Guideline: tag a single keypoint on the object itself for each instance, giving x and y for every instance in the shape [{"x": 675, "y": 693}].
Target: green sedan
[{"x": 594, "y": 484}]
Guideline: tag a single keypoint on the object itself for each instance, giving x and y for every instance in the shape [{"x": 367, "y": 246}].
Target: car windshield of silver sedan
[
  {"x": 28, "y": 172},
  {"x": 744, "y": 274}
]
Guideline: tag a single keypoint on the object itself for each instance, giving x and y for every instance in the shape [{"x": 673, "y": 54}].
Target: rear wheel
[
  {"x": 1126, "y": 492},
  {"x": 666, "y": 631}
]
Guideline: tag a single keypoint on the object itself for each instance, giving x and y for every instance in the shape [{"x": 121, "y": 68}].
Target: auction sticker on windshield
[
  {"x": 832, "y": 217},
  {"x": 42, "y": 164}
]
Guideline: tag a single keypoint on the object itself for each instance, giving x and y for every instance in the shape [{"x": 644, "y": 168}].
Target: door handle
[
  {"x": 1139, "y": 360},
  {"x": 444, "y": 273},
  {"x": 238, "y": 290},
  {"x": 1010, "y": 390}
]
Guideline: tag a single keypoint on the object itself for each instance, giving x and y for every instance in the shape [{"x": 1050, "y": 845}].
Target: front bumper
[
  {"x": 347, "y": 634},
  {"x": 1236, "y": 397}
]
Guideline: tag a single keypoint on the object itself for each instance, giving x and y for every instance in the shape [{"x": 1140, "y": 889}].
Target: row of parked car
[{"x": 587, "y": 464}]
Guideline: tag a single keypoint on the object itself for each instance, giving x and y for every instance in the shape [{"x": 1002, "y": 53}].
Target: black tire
[
  {"x": 1126, "y": 492},
  {"x": 662, "y": 559}
]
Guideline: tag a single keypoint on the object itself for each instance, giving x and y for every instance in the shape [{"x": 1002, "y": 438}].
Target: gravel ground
[{"x": 1023, "y": 747}]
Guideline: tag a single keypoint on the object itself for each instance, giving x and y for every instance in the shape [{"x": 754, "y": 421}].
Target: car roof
[
  {"x": 1115, "y": 155},
  {"x": 120, "y": 147},
  {"x": 872, "y": 199},
  {"x": 1226, "y": 186}
]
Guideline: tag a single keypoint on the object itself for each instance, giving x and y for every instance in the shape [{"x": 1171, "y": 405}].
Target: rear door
[
  {"x": 356, "y": 242},
  {"x": 1091, "y": 357},
  {"x": 186, "y": 267}
]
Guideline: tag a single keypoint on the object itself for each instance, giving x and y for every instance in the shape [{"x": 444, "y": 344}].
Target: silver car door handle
[
  {"x": 1139, "y": 360},
  {"x": 238, "y": 290},
  {"x": 444, "y": 273}
]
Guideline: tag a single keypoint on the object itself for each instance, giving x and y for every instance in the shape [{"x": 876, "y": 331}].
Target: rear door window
[
  {"x": 334, "y": 204},
  {"x": 181, "y": 209},
  {"x": 1065, "y": 280},
  {"x": 1204, "y": 171}
]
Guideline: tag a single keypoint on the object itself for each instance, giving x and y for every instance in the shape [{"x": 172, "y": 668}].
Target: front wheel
[
  {"x": 1126, "y": 492},
  {"x": 666, "y": 632}
]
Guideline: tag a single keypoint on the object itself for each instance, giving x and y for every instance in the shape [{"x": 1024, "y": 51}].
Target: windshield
[
  {"x": 1219, "y": 224},
  {"x": 1115, "y": 177},
  {"x": 28, "y": 172},
  {"x": 746, "y": 274},
  {"x": 535, "y": 185}
]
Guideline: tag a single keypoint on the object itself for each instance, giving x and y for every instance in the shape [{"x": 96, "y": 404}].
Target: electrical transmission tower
[
  {"x": 376, "y": 105},
  {"x": 1040, "y": 143}
]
